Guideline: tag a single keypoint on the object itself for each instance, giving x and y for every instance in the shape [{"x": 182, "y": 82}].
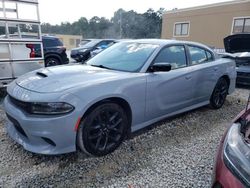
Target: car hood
[
  {"x": 237, "y": 43},
  {"x": 61, "y": 78}
]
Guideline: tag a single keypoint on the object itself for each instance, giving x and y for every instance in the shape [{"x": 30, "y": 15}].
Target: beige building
[
  {"x": 208, "y": 24},
  {"x": 69, "y": 41}
]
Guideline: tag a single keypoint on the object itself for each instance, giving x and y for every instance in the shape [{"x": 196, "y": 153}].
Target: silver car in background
[
  {"x": 125, "y": 88},
  {"x": 238, "y": 45}
]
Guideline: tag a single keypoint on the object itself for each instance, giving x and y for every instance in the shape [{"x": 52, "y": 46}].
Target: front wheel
[
  {"x": 102, "y": 130},
  {"x": 52, "y": 61},
  {"x": 219, "y": 94}
]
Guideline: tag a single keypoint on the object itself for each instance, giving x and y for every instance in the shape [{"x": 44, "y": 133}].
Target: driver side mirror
[{"x": 160, "y": 67}]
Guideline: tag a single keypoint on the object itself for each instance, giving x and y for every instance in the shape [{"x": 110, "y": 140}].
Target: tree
[
  {"x": 82, "y": 25},
  {"x": 124, "y": 24}
]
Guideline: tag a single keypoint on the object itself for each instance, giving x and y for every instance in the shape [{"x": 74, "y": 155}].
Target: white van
[{"x": 21, "y": 48}]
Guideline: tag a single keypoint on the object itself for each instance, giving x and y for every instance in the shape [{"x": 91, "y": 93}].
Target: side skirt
[{"x": 145, "y": 124}]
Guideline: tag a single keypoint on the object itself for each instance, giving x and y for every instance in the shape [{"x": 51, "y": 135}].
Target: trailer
[{"x": 21, "y": 48}]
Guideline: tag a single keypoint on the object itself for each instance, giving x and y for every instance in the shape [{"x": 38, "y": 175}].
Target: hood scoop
[
  {"x": 62, "y": 78},
  {"x": 42, "y": 74}
]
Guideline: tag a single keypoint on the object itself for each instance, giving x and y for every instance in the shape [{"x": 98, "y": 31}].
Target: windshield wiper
[{"x": 101, "y": 66}]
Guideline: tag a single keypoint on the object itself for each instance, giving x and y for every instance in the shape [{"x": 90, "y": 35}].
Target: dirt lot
[{"x": 177, "y": 152}]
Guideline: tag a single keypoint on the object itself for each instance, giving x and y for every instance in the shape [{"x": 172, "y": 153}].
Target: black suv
[
  {"x": 54, "y": 51},
  {"x": 83, "y": 53}
]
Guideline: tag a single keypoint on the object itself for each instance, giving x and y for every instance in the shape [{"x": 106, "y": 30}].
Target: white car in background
[{"x": 238, "y": 46}]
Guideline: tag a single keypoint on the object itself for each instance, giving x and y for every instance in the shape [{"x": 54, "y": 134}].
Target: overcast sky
[{"x": 57, "y": 11}]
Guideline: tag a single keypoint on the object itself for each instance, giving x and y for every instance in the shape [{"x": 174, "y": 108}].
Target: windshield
[
  {"x": 84, "y": 42},
  {"x": 127, "y": 56},
  {"x": 91, "y": 44}
]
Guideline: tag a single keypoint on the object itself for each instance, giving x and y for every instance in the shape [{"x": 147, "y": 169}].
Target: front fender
[{"x": 133, "y": 91}]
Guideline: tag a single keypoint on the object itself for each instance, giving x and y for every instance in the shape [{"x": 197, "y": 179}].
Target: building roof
[{"x": 207, "y": 6}]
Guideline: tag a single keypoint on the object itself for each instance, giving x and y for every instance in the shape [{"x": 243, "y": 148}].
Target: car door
[
  {"x": 205, "y": 70},
  {"x": 168, "y": 92}
]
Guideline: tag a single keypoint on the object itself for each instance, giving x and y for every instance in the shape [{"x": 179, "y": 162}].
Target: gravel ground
[{"x": 177, "y": 152}]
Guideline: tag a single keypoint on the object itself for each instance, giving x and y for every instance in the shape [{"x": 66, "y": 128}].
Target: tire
[
  {"x": 52, "y": 61},
  {"x": 102, "y": 130},
  {"x": 219, "y": 94}
]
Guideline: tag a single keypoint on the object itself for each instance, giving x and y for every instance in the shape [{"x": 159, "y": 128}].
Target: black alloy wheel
[
  {"x": 51, "y": 61},
  {"x": 103, "y": 129},
  {"x": 219, "y": 94}
]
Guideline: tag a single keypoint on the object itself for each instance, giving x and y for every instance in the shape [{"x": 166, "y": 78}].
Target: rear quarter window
[
  {"x": 199, "y": 55},
  {"x": 53, "y": 42}
]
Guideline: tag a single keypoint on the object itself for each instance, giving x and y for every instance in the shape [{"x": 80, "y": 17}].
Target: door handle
[{"x": 188, "y": 77}]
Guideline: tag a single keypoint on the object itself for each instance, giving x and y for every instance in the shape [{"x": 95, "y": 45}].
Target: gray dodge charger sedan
[{"x": 121, "y": 90}]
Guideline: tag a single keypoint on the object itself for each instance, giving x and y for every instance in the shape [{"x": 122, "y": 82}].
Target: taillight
[{"x": 32, "y": 50}]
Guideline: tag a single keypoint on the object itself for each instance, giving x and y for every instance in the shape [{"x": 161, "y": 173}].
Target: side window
[
  {"x": 199, "y": 55},
  {"x": 53, "y": 42},
  {"x": 174, "y": 55},
  {"x": 46, "y": 43}
]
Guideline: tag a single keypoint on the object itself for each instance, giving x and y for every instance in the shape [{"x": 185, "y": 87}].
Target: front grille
[
  {"x": 20, "y": 104},
  {"x": 243, "y": 62},
  {"x": 243, "y": 74},
  {"x": 17, "y": 125},
  {"x": 243, "y": 78}
]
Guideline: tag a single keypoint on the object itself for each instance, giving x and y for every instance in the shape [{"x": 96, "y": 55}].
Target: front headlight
[
  {"x": 53, "y": 108},
  {"x": 237, "y": 154}
]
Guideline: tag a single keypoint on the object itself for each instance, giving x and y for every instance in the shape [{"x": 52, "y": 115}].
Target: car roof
[
  {"x": 164, "y": 42},
  {"x": 98, "y": 39}
]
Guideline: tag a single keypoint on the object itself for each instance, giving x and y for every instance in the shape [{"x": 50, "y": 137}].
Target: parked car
[
  {"x": 83, "y": 53},
  {"x": 239, "y": 46},
  {"x": 232, "y": 167},
  {"x": 84, "y": 41},
  {"x": 100, "y": 49},
  {"x": 123, "y": 89},
  {"x": 54, "y": 51}
]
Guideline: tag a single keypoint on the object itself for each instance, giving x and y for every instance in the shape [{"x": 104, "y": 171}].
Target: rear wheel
[
  {"x": 219, "y": 94},
  {"x": 103, "y": 129},
  {"x": 51, "y": 61}
]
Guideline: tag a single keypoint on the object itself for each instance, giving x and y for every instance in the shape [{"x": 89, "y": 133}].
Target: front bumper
[
  {"x": 49, "y": 135},
  {"x": 80, "y": 56},
  {"x": 243, "y": 76}
]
